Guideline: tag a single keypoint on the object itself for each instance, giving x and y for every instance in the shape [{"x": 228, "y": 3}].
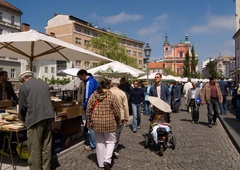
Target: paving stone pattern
[{"x": 198, "y": 147}]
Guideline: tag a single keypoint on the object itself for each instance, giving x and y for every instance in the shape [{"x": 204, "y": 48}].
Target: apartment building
[
  {"x": 236, "y": 37},
  {"x": 225, "y": 65},
  {"x": 79, "y": 32},
  {"x": 10, "y": 21}
]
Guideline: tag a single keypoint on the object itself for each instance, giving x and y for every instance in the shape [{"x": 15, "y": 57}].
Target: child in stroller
[{"x": 160, "y": 133}]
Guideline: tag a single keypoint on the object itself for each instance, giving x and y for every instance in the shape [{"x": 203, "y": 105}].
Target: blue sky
[{"x": 210, "y": 24}]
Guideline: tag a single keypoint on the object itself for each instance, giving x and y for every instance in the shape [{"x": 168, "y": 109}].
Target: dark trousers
[
  {"x": 194, "y": 110},
  {"x": 213, "y": 106}
]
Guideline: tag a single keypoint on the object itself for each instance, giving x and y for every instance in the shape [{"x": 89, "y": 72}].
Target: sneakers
[
  {"x": 139, "y": 127},
  {"x": 116, "y": 153},
  {"x": 210, "y": 126},
  {"x": 134, "y": 131},
  {"x": 107, "y": 166}
]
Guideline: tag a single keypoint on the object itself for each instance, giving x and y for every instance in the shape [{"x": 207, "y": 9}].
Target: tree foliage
[
  {"x": 109, "y": 46},
  {"x": 212, "y": 69},
  {"x": 168, "y": 71},
  {"x": 186, "y": 67},
  {"x": 194, "y": 62}
]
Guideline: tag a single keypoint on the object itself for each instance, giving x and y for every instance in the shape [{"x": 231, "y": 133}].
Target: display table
[{"x": 8, "y": 129}]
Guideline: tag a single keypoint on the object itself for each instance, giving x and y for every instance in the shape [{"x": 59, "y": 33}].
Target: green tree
[
  {"x": 186, "y": 67},
  {"x": 109, "y": 45},
  {"x": 212, "y": 68},
  {"x": 194, "y": 62}
]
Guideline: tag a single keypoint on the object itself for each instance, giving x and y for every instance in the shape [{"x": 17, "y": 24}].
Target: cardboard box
[
  {"x": 6, "y": 103},
  {"x": 71, "y": 111}
]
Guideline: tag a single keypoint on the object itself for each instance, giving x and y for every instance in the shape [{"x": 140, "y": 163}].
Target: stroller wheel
[
  {"x": 146, "y": 142},
  {"x": 160, "y": 152},
  {"x": 173, "y": 142}
]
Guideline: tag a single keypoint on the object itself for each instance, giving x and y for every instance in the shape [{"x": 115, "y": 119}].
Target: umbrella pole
[
  {"x": 31, "y": 65},
  {"x": 73, "y": 89}
]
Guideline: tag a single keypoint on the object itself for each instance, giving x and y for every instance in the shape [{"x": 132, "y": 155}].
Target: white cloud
[
  {"x": 152, "y": 29},
  {"x": 122, "y": 17},
  {"x": 215, "y": 24},
  {"x": 158, "y": 23}
]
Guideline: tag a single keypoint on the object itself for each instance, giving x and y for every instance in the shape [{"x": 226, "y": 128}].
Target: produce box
[
  {"x": 71, "y": 111},
  {"x": 6, "y": 103}
]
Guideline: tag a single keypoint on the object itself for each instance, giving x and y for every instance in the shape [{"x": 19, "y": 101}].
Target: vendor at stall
[{"x": 35, "y": 109}]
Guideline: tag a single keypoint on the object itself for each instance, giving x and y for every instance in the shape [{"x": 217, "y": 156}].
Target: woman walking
[{"x": 103, "y": 116}]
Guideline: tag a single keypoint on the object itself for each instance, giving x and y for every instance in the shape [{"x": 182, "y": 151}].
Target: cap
[{"x": 25, "y": 73}]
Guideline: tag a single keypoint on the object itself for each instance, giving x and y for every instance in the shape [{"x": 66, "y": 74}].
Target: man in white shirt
[{"x": 186, "y": 87}]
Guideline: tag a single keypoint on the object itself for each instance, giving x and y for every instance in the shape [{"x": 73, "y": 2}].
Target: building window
[
  {"x": 46, "y": 69},
  {"x": 181, "y": 54},
  {"x": 86, "y": 42},
  {"x": 78, "y": 28},
  {"x": 13, "y": 73},
  {"x": 52, "y": 70},
  {"x": 78, "y": 41},
  {"x": 134, "y": 53},
  {"x": 61, "y": 65},
  {"x": 1, "y": 16},
  {"x": 87, "y": 64},
  {"x": 129, "y": 52},
  {"x": 220, "y": 65},
  {"x": 95, "y": 34},
  {"x": 140, "y": 54},
  {"x": 34, "y": 68},
  {"x": 78, "y": 62},
  {"x": 95, "y": 64},
  {"x": 140, "y": 62},
  {"x": 86, "y": 32},
  {"x": 12, "y": 20}
]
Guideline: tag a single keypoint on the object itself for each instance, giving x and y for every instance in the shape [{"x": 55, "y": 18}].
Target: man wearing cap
[
  {"x": 35, "y": 109},
  {"x": 124, "y": 110}
]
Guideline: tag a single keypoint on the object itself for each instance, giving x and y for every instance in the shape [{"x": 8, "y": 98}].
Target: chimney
[
  {"x": 25, "y": 27},
  {"x": 52, "y": 34}
]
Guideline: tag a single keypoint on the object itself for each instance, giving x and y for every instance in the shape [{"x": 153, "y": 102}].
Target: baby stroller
[{"x": 160, "y": 133}]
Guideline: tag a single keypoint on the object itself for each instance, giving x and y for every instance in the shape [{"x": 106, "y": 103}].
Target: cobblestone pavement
[{"x": 197, "y": 147}]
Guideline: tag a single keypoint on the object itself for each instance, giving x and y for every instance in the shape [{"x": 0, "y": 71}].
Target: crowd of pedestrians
[
  {"x": 105, "y": 122},
  {"x": 108, "y": 104}
]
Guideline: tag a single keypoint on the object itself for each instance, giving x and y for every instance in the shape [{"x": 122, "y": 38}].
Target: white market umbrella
[
  {"x": 160, "y": 104},
  {"x": 116, "y": 67},
  {"x": 71, "y": 71},
  {"x": 32, "y": 45},
  {"x": 151, "y": 77}
]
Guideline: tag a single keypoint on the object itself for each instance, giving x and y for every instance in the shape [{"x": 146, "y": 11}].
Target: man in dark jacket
[
  {"x": 161, "y": 91},
  {"x": 6, "y": 89},
  {"x": 35, "y": 109}
]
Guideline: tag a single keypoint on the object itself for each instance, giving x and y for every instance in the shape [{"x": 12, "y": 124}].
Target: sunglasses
[{"x": 157, "y": 77}]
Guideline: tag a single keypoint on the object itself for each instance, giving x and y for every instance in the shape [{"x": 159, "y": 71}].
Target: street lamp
[{"x": 147, "y": 52}]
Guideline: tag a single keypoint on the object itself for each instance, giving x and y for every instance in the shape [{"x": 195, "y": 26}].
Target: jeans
[
  {"x": 237, "y": 108},
  {"x": 118, "y": 133},
  {"x": 147, "y": 108},
  {"x": 92, "y": 138},
  {"x": 136, "y": 111},
  {"x": 213, "y": 106},
  {"x": 223, "y": 105}
]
